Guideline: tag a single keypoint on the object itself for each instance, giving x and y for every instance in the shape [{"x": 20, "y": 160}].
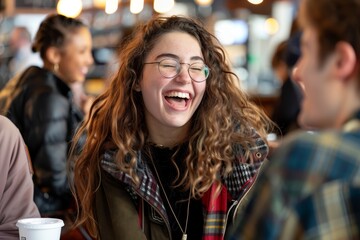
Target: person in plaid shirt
[{"x": 310, "y": 188}]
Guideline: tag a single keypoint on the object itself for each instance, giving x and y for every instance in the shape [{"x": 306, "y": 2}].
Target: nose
[
  {"x": 89, "y": 59},
  {"x": 296, "y": 77},
  {"x": 184, "y": 75},
  {"x": 295, "y": 74}
]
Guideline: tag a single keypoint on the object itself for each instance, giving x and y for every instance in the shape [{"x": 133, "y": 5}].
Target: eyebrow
[{"x": 177, "y": 57}]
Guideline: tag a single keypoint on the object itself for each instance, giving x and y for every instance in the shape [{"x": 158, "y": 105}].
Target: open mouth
[{"x": 177, "y": 99}]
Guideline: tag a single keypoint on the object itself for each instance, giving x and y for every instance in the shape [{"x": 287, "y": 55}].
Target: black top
[
  {"x": 177, "y": 197},
  {"x": 287, "y": 108}
]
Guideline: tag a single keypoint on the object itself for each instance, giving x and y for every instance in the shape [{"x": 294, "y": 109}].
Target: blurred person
[
  {"x": 18, "y": 55},
  {"x": 311, "y": 187},
  {"x": 287, "y": 107},
  {"x": 16, "y": 185},
  {"x": 41, "y": 104},
  {"x": 22, "y": 55},
  {"x": 173, "y": 145}
]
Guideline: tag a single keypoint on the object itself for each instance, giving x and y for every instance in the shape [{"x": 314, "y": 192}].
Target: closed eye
[{"x": 168, "y": 66}]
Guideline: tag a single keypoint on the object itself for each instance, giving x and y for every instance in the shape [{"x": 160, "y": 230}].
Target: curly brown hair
[{"x": 224, "y": 117}]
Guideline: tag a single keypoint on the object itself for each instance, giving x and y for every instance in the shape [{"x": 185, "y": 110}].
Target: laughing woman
[{"x": 173, "y": 145}]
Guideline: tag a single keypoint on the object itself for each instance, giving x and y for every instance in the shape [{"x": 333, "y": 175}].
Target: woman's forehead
[{"x": 178, "y": 42}]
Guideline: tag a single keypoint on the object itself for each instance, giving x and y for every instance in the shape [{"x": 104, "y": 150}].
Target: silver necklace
[{"x": 184, "y": 236}]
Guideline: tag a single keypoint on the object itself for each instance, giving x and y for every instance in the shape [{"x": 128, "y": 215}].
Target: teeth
[{"x": 179, "y": 95}]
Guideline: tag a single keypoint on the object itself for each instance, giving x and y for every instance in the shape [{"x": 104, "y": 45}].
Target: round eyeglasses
[{"x": 170, "y": 68}]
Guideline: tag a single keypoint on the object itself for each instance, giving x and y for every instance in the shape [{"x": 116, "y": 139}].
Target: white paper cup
[{"x": 39, "y": 228}]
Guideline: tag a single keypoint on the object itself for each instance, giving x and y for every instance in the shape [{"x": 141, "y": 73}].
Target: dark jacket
[{"x": 41, "y": 107}]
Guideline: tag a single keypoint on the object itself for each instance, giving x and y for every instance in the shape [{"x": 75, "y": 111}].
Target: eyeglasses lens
[{"x": 170, "y": 68}]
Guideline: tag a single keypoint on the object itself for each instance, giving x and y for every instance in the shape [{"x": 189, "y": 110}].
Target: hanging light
[
  {"x": 163, "y": 6},
  {"x": 204, "y": 3},
  {"x": 111, "y": 6},
  {"x": 136, "y": 6},
  {"x": 100, "y": 4},
  {"x": 69, "y": 8},
  {"x": 255, "y": 1},
  {"x": 271, "y": 26}
]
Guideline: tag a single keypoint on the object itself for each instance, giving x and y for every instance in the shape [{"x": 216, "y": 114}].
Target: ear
[
  {"x": 53, "y": 55},
  {"x": 346, "y": 60}
]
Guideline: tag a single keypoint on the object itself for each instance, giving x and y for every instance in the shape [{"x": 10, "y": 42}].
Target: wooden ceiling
[{"x": 264, "y": 8}]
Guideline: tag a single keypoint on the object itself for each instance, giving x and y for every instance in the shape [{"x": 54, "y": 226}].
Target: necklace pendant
[{"x": 184, "y": 236}]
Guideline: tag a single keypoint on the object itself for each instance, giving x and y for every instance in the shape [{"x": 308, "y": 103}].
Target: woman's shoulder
[
  {"x": 255, "y": 144},
  {"x": 41, "y": 83},
  {"x": 40, "y": 78},
  {"x": 313, "y": 139},
  {"x": 32, "y": 74},
  {"x": 7, "y": 128}
]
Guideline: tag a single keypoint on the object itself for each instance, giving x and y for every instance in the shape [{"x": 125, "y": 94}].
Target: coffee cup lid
[{"x": 39, "y": 223}]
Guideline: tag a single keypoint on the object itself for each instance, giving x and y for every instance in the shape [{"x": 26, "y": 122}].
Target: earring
[
  {"x": 137, "y": 87},
  {"x": 56, "y": 67}
]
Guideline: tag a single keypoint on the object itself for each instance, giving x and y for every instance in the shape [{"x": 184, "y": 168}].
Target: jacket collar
[
  {"x": 236, "y": 183},
  {"x": 148, "y": 188}
]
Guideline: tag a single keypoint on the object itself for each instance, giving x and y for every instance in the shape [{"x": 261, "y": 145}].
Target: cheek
[
  {"x": 68, "y": 63},
  {"x": 318, "y": 89},
  {"x": 151, "y": 83},
  {"x": 200, "y": 90},
  {"x": 150, "y": 89},
  {"x": 309, "y": 74},
  {"x": 149, "y": 78},
  {"x": 71, "y": 70}
]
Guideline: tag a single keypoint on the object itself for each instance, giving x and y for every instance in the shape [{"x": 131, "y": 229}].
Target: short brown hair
[{"x": 334, "y": 21}]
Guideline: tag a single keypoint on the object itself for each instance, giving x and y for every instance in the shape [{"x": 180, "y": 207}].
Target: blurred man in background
[
  {"x": 22, "y": 55},
  {"x": 19, "y": 55}
]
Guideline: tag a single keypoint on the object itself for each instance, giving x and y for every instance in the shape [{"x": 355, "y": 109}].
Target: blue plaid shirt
[{"x": 310, "y": 189}]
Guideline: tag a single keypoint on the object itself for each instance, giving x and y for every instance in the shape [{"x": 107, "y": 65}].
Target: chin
[
  {"x": 177, "y": 124},
  {"x": 304, "y": 122},
  {"x": 81, "y": 79},
  {"x": 309, "y": 123}
]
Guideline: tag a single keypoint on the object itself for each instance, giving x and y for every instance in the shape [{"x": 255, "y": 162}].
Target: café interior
[{"x": 248, "y": 30}]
